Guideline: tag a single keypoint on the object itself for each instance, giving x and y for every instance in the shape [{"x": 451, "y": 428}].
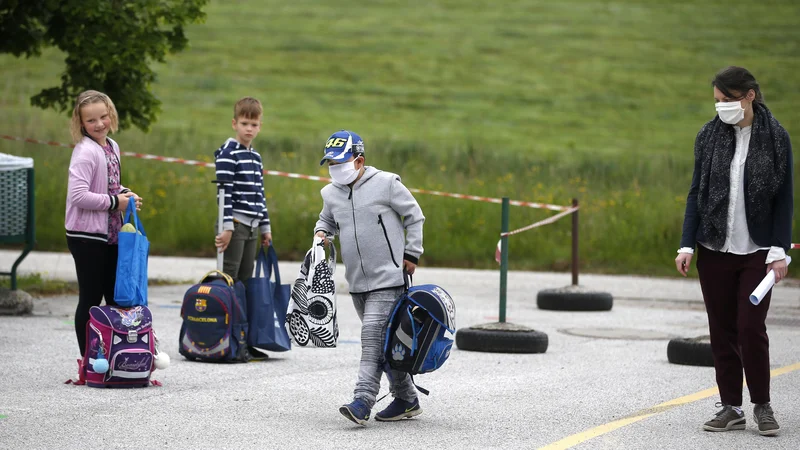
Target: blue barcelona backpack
[
  {"x": 416, "y": 332},
  {"x": 215, "y": 327}
]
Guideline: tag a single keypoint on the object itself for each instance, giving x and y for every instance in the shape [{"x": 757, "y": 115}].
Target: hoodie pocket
[{"x": 386, "y": 236}]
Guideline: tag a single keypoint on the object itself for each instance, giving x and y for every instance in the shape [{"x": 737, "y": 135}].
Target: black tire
[
  {"x": 690, "y": 352},
  {"x": 501, "y": 338},
  {"x": 574, "y": 299}
]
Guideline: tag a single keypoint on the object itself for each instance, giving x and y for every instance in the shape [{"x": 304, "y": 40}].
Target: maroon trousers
[{"x": 738, "y": 330}]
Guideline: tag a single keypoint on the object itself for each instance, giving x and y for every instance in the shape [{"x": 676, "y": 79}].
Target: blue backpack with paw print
[{"x": 417, "y": 339}]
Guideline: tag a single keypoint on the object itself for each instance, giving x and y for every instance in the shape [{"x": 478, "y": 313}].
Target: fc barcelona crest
[{"x": 200, "y": 304}]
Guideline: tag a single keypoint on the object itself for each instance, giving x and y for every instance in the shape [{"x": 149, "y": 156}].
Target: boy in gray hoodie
[{"x": 379, "y": 224}]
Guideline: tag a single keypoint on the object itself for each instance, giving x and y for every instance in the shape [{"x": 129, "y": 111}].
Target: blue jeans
[{"x": 373, "y": 309}]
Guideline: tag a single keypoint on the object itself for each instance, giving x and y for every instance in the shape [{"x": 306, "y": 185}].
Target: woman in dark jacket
[{"x": 739, "y": 216}]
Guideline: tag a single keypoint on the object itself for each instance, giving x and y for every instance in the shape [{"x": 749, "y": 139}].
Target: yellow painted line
[
  {"x": 784, "y": 370},
  {"x": 583, "y": 436},
  {"x": 576, "y": 439},
  {"x": 689, "y": 398}
]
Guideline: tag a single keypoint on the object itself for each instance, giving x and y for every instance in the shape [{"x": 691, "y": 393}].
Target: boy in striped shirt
[{"x": 239, "y": 167}]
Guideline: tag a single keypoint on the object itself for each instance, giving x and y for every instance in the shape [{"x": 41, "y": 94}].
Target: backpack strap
[
  {"x": 414, "y": 330},
  {"x": 432, "y": 316},
  {"x": 388, "y": 370},
  {"x": 217, "y": 275},
  {"x": 422, "y": 390}
]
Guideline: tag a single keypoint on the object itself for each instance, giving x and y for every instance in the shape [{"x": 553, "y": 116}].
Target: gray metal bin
[{"x": 17, "y": 225}]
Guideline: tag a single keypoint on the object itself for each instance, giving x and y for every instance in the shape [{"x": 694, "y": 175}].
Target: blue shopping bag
[
  {"x": 267, "y": 302},
  {"x": 130, "y": 288}
]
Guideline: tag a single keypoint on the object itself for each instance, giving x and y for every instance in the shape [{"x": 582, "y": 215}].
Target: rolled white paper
[{"x": 765, "y": 285}]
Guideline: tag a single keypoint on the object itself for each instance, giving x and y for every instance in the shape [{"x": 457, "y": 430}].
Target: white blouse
[{"x": 738, "y": 240}]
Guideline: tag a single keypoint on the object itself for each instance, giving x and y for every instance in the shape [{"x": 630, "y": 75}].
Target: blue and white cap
[{"x": 341, "y": 146}]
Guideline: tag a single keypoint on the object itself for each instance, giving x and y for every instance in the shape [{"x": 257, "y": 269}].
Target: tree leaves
[{"x": 109, "y": 44}]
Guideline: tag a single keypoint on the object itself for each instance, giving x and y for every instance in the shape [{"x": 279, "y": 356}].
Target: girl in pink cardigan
[{"x": 96, "y": 201}]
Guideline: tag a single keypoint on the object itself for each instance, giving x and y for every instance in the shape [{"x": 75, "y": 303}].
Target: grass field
[
  {"x": 538, "y": 101},
  {"x": 39, "y": 286}
]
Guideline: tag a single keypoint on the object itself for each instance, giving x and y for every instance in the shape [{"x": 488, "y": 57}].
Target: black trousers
[
  {"x": 96, "y": 266},
  {"x": 739, "y": 340}
]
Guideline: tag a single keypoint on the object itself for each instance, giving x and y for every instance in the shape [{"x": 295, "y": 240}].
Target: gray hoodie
[{"x": 370, "y": 220}]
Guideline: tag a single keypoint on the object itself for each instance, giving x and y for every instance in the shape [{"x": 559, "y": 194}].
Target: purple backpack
[{"x": 124, "y": 338}]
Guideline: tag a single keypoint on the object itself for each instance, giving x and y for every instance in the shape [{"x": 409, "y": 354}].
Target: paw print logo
[{"x": 398, "y": 352}]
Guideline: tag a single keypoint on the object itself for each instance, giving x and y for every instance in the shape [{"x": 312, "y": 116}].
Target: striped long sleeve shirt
[{"x": 241, "y": 171}]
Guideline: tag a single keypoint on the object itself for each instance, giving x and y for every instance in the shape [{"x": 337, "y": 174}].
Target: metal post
[
  {"x": 503, "y": 261},
  {"x": 575, "y": 243},
  {"x": 220, "y": 221},
  {"x": 220, "y": 213},
  {"x": 30, "y": 229}
]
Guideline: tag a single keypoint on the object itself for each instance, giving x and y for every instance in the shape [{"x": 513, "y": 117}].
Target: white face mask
[
  {"x": 730, "y": 112},
  {"x": 344, "y": 173}
]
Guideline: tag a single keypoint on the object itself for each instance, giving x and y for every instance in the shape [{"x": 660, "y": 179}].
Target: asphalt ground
[{"x": 585, "y": 392}]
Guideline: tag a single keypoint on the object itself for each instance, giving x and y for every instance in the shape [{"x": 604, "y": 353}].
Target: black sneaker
[
  {"x": 727, "y": 419},
  {"x": 767, "y": 425},
  {"x": 256, "y": 354},
  {"x": 399, "y": 409},
  {"x": 357, "y": 411}
]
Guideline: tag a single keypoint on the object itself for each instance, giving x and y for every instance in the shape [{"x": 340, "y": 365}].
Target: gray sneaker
[
  {"x": 767, "y": 425},
  {"x": 727, "y": 419}
]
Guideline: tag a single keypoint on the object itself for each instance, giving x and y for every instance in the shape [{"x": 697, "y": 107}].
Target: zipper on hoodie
[
  {"x": 355, "y": 235},
  {"x": 386, "y": 235}
]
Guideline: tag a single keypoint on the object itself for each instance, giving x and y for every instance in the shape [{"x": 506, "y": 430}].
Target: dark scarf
[{"x": 765, "y": 170}]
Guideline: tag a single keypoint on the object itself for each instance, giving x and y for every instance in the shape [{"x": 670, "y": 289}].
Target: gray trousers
[
  {"x": 240, "y": 256},
  {"x": 373, "y": 309}
]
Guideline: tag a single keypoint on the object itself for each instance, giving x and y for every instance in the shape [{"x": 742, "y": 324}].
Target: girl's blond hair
[{"x": 88, "y": 98}]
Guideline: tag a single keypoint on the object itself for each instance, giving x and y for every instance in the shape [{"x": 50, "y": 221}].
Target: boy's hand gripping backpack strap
[{"x": 408, "y": 280}]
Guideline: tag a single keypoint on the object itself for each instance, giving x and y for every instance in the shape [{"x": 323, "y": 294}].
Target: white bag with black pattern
[{"x": 311, "y": 317}]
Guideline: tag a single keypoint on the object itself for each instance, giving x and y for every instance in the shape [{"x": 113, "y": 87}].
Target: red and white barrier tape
[
  {"x": 190, "y": 162},
  {"x": 565, "y": 210},
  {"x": 547, "y": 221},
  {"x": 34, "y": 141},
  {"x": 494, "y": 200}
]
